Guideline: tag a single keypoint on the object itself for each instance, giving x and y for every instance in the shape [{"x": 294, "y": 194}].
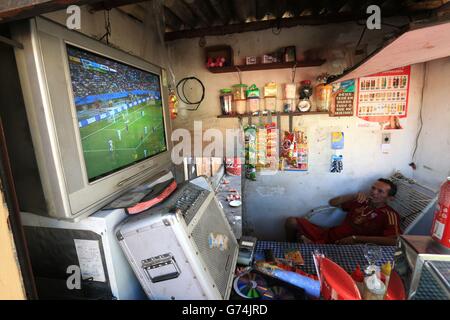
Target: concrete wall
[
  {"x": 271, "y": 199},
  {"x": 128, "y": 34},
  {"x": 433, "y": 150},
  {"x": 336, "y": 42}
]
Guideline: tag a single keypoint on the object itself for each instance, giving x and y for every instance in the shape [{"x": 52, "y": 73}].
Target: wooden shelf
[
  {"x": 267, "y": 66},
  {"x": 274, "y": 114}
]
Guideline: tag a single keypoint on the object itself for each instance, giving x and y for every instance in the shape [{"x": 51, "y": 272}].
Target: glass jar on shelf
[
  {"x": 323, "y": 93},
  {"x": 226, "y": 101},
  {"x": 270, "y": 104},
  {"x": 239, "y": 91},
  {"x": 289, "y": 105},
  {"x": 240, "y": 106},
  {"x": 253, "y": 104}
]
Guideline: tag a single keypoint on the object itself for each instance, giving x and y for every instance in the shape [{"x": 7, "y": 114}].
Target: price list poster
[{"x": 383, "y": 98}]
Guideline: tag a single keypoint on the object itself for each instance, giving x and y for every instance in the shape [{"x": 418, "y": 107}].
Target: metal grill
[
  {"x": 218, "y": 263},
  {"x": 411, "y": 200}
]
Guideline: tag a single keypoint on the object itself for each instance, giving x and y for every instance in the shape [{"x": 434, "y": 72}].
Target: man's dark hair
[{"x": 393, "y": 186}]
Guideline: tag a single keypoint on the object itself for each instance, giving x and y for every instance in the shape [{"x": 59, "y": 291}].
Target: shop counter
[{"x": 233, "y": 214}]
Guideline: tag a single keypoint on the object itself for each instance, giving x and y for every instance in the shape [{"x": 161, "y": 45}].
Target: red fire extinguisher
[{"x": 440, "y": 231}]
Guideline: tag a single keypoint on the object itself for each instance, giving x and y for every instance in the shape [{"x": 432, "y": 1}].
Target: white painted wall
[
  {"x": 271, "y": 199},
  {"x": 433, "y": 151}
]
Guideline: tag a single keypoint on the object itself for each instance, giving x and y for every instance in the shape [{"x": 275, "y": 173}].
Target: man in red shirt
[{"x": 369, "y": 220}]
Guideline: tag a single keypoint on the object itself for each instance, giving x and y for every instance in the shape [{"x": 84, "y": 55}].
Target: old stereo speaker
[{"x": 184, "y": 248}]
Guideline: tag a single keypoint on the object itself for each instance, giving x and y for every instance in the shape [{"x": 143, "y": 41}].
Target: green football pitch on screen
[{"x": 120, "y": 140}]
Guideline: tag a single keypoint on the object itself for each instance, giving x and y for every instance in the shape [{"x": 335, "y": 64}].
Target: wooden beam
[
  {"x": 200, "y": 8},
  {"x": 425, "y": 5},
  {"x": 182, "y": 11},
  {"x": 443, "y": 10},
  {"x": 345, "y": 8},
  {"x": 244, "y": 9},
  {"x": 389, "y": 6},
  {"x": 280, "y": 8},
  {"x": 10, "y": 42},
  {"x": 260, "y": 25},
  {"x": 221, "y": 9},
  {"x": 171, "y": 20},
  {"x": 331, "y": 6},
  {"x": 263, "y": 7},
  {"x": 134, "y": 10},
  {"x": 11, "y": 10},
  {"x": 295, "y": 7},
  {"x": 110, "y": 4}
]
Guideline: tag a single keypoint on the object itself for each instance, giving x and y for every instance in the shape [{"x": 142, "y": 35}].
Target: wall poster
[
  {"x": 383, "y": 98},
  {"x": 343, "y": 97}
]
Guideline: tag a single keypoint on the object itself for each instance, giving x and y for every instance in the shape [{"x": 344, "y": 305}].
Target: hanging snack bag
[
  {"x": 288, "y": 145},
  {"x": 252, "y": 91},
  {"x": 270, "y": 89},
  {"x": 261, "y": 142},
  {"x": 272, "y": 145}
]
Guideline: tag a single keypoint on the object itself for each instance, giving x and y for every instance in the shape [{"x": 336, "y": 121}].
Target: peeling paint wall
[
  {"x": 433, "y": 150},
  {"x": 128, "y": 34}
]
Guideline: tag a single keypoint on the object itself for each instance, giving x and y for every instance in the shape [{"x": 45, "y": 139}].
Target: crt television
[{"x": 98, "y": 118}]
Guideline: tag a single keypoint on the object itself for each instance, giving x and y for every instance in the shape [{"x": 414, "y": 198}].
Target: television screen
[{"x": 119, "y": 110}]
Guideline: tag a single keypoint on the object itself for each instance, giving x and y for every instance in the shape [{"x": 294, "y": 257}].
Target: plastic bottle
[
  {"x": 386, "y": 270},
  {"x": 358, "y": 277},
  {"x": 374, "y": 288}
]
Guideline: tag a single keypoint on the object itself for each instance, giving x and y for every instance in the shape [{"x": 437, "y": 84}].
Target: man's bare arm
[{"x": 338, "y": 201}]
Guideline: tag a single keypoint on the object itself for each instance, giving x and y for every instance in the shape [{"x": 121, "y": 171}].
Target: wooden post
[{"x": 11, "y": 284}]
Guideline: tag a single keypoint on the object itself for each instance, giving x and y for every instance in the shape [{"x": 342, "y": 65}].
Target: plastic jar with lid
[
  {"x": 239, "y": 91},
  {"x": 270, "y": 104},
  {"x": 226, "y": 101},
  {"x": 253, "y": 104},
  {"x": 289, "y": 90},
  {"x": 240, "y": 106},
  {"x": 322, "y": 95}
]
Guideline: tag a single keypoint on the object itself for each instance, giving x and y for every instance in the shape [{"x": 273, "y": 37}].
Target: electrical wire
[
  {"x": 182, "y": 94},
  {"x": 425, "y": 72},
  {"x": 107, "y": 26}
]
